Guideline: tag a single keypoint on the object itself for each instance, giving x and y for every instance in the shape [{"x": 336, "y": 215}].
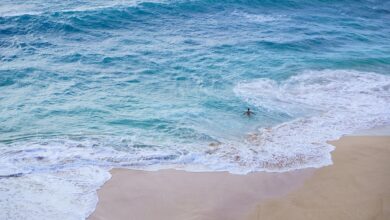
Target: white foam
[
  {"x": 337, "y": 102},
  {"x": 259, "y": 18},
  {"x": 377, "y": 131},
  {"x": 57, "y": 178},
  {"x": 60, "y": 175},
  {"x": 10, "y": 8},
  {"x": 50, "y": 179},
  {"x": 69, "y": 194}
]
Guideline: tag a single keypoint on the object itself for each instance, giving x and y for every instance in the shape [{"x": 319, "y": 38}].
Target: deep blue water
[{"x": 87, "y": 85}]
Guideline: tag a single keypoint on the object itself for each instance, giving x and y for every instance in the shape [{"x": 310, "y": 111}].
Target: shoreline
[
  {"x": 359, "y": 166},
  {"x": 202, "y": 194},
  {"x": 356, "y": 186}
]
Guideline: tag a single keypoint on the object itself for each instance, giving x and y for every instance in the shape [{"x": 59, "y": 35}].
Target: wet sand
[
  {"x": 178, "y": 195},
  {"x": 356, "y": 186}
]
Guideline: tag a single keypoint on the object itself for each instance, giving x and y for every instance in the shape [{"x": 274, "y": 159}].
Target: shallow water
[{"x": 85, "y": 86}]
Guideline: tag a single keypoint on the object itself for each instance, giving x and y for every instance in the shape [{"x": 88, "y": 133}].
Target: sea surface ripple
[{"x": 90, "y": 85}]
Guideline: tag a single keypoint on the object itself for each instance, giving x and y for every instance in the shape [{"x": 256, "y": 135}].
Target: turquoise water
[{"x": 89, "y": 85}]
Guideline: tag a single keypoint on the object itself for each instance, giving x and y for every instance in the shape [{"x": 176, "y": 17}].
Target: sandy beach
[{"x": 356, "y": 186}]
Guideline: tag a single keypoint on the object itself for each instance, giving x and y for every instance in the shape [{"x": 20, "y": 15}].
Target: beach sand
[
  {"x": 181, "y": 195},
  {"x": 356, "y": 186}
]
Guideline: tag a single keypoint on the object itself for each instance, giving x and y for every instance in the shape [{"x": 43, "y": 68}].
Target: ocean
[{"x": 86, "y": 86}]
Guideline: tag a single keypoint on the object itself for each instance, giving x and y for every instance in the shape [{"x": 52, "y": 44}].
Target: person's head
[{"x": 248, "y": 109}]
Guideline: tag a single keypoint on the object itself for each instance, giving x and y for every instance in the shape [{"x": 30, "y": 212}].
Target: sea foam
[
  {"x": 337, "y": 102},
  {"x": 67, "y": 171},
  {"x": 150, "y": 84}
]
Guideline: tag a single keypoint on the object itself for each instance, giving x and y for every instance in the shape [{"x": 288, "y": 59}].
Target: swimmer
[{"x": 249, "y": 113}]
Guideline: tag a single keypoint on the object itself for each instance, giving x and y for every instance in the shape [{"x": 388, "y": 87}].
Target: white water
[
  {"x": 61, "y": 176},
  {"x": 336, "y": 102}
]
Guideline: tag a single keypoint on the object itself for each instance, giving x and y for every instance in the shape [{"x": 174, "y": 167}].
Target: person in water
[{"x": 249, "y": 113}]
